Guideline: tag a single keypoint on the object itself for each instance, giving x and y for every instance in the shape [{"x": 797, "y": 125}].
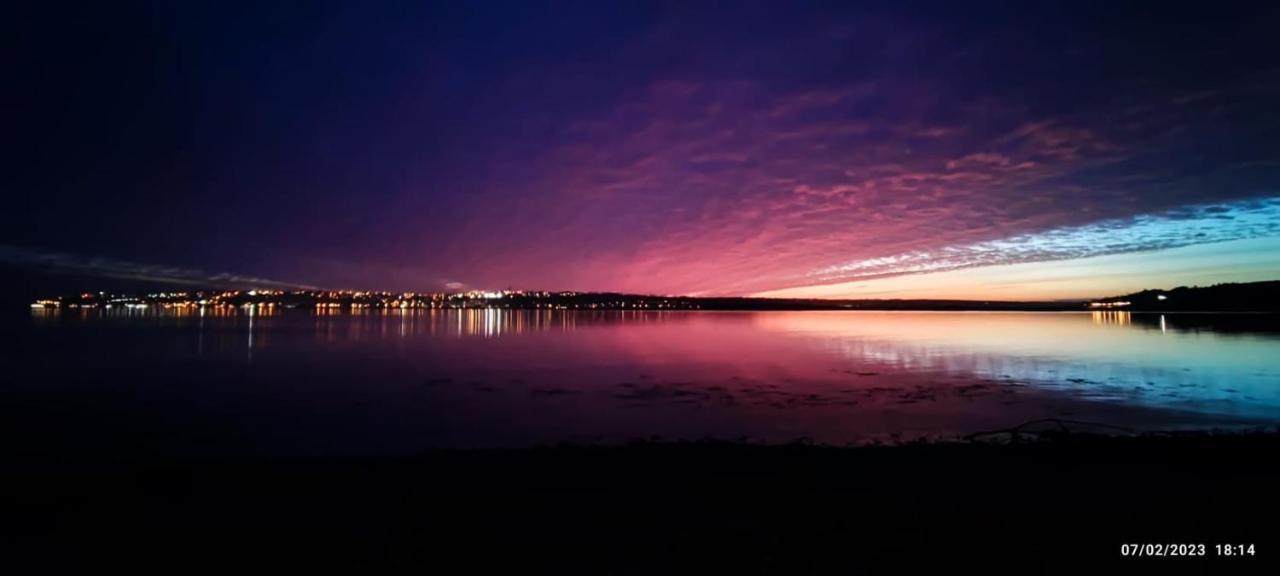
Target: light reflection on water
[
  {"x": 1101, "y": 355},
  {"x": 409, "y": 379}
]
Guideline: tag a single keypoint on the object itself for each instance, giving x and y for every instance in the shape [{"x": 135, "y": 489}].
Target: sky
[{"x": 813, "y": 149}]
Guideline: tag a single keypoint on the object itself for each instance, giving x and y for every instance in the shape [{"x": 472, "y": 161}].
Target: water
[{"x": 81, "y": 383}]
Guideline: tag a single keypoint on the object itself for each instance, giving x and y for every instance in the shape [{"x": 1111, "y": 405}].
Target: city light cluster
[{"x": 357, "y": 300}]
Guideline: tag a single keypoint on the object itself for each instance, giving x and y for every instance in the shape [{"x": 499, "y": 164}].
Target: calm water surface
[{"x": 107, "y": 383}]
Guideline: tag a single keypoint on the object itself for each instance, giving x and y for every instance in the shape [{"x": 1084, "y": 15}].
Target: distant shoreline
[
  {"x": 1256, "y": 297},
  {"x": 903, "y": 307}
]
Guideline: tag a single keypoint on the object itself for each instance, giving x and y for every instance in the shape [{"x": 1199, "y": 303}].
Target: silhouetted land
[
  {"x": 1063, "y": 504},
  {"x": 1246, "y": 297},
  {"x": 1250, "y": 297}
]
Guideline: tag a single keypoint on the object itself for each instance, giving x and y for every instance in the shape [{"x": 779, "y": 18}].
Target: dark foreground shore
[{"x": 1062, "y": 504}]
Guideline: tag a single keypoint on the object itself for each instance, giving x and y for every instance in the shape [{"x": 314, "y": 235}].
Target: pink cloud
[{"x": 727, "y": 188}]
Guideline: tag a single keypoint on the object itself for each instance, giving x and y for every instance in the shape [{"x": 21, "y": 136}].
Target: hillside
[{"x": 1245, "y": 297}]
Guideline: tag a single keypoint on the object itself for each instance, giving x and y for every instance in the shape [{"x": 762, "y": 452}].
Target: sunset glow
[{"x": 1025, "y": 152}]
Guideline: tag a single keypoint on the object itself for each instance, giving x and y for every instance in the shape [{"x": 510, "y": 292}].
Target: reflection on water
[
  {"x": 1116, "y": 317},
  {"x": 389, "y": 379},
  {"x": 356, "y": 324},
  {"x": 1102, "y": 358}
]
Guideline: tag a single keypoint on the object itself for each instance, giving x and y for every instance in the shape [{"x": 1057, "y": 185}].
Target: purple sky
[{"x": 705, "y": 148}]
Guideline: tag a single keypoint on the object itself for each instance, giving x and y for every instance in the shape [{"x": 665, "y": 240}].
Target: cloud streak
[
  {"x": 659, "y": 149},
  {"x": 1188, "y": 226},
  {"x": 734, "y": 187},
  {"x": 63, "y": 263}
]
